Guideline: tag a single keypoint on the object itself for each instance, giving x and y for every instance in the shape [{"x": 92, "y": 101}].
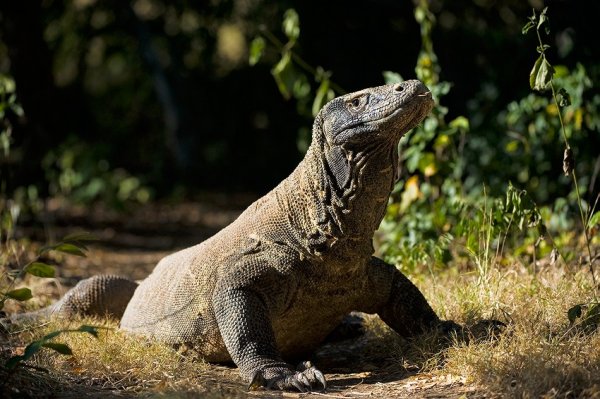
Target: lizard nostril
[{"x": 399, "y": 87}]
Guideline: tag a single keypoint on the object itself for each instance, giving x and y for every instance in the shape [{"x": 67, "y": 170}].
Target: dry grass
[
  {"x": 541, "y": 354},
  {"x": 118, "y": 364}
]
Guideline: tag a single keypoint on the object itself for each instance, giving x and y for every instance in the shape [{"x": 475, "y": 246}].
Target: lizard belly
[{"x": 315, "y": 312}]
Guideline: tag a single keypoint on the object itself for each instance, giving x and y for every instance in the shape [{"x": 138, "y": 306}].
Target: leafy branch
[
  {"x": 46, "y": 342},
  {"x": 73, "y": 244},
  {"x": 290, "y": 81},
  {"x": 541, "y": 79},
  {"x": 8, "y": 104}
]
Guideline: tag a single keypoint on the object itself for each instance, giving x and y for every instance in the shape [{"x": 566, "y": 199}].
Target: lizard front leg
[
  {"x": 245, "y": 325},
  {"x": 401, "y": 305}
]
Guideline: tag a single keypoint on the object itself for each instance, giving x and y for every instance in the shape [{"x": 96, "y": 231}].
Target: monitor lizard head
[
  {"x": 351, "y": 165},
  {"x": 374, "y": 114}
]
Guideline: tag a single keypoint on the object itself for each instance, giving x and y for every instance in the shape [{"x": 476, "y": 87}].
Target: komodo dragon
[{"x": 275, "y": 282}]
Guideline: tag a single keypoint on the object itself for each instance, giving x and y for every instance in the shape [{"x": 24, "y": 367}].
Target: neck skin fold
[{"x": 341, "y": 194}]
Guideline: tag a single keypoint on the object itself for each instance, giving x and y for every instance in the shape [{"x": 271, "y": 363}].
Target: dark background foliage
[{"x": 163, "y": 89}]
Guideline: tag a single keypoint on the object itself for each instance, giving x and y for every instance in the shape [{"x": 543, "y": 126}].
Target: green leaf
[
  {"x": 594, "y": 220},
  {"x": 13, "y": 362},
  {"x": 322, "y": 74},
  {"x": 20, "y": 294},
  {"x": 35, "y": 346},
  {"x": 32, "y": 349},
  {"x": 80, "y": 237},
  {"x": 284, "y": 75},
  {"x": 512, "y": 146},
  {"x": 5, "y": 141},
  {"x": 560, "y": 71},
  {"x": 542, "y": 230},
  {"x": 543, "y": 19},
  {"x": 563, "y": 97},
  {"x": 257, "y": 48},
  {"x": 534, "y": 71},
  {"x": 89, "y": 329},
  {"x": 392, "y": 77},
  {"x": 527, "y": 27},
  {"x": 301, "y": 87},
  {"x": 542, "y": 48},
  {"x": 7, "y": 85},
  {"x": 60, "y": 348},
  {"x": 460, "y": 123},
  {"x": 427, "y": 164},
  {"x": 72, "y": 244},
  {"x": 541, "y": 74},
  {"x": 40, "y": 269},
  {"x": 69, "y": 248},
  {"x": 574, "y": 313},
  {"x": 291, "y": 24},
  {"x": 18, "y": 110},
  {"x": 51, "y": 335},
  {"x": 321, "y": 97},
  {"x": 442, "y": 141}
]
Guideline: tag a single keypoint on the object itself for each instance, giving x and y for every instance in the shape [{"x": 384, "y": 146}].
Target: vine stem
[
  {"x": 585, "y": 233},
  {"x": 573, "y": 174},
  {"x": 562, "y": 125}
]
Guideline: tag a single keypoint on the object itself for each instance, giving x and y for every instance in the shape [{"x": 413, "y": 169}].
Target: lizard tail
[{"x": 104, "y": 295}]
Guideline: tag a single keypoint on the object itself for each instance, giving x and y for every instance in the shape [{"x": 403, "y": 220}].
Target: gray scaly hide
[{"x": 276, "y": 282}]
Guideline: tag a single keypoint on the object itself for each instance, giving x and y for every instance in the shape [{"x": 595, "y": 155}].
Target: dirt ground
[{"x": 130, "y": 244}]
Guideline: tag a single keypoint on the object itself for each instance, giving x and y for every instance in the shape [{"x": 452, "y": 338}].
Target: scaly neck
[{"x": 343, "y": 193}]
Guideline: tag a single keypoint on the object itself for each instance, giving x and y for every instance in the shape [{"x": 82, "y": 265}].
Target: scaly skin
[{"x": 278, "y": 280}]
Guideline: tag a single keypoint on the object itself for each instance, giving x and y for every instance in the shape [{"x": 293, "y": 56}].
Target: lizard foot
[
  {"x": 480, "y": 331},
  {"x": 448, "y": 327},
  {"x": 485, "y": 330},
  {"x": 303, "y": 380}
]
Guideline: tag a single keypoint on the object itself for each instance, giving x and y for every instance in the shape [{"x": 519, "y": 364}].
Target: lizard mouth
[
  {"x": 423, "y": 103},
  {"x": 420, "y": 105}
]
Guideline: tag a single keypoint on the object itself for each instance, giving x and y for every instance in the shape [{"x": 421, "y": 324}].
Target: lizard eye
[{"x": 357, "y": 103}]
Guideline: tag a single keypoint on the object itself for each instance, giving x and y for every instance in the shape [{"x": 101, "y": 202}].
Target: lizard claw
[
  {"x": 257, "y": 380},
  {"x": 299, "y": 384},
  {"x": 312, "y": 373},
  {"x": 320, "y": 377},
  {"x": 301, "y": 380}
]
